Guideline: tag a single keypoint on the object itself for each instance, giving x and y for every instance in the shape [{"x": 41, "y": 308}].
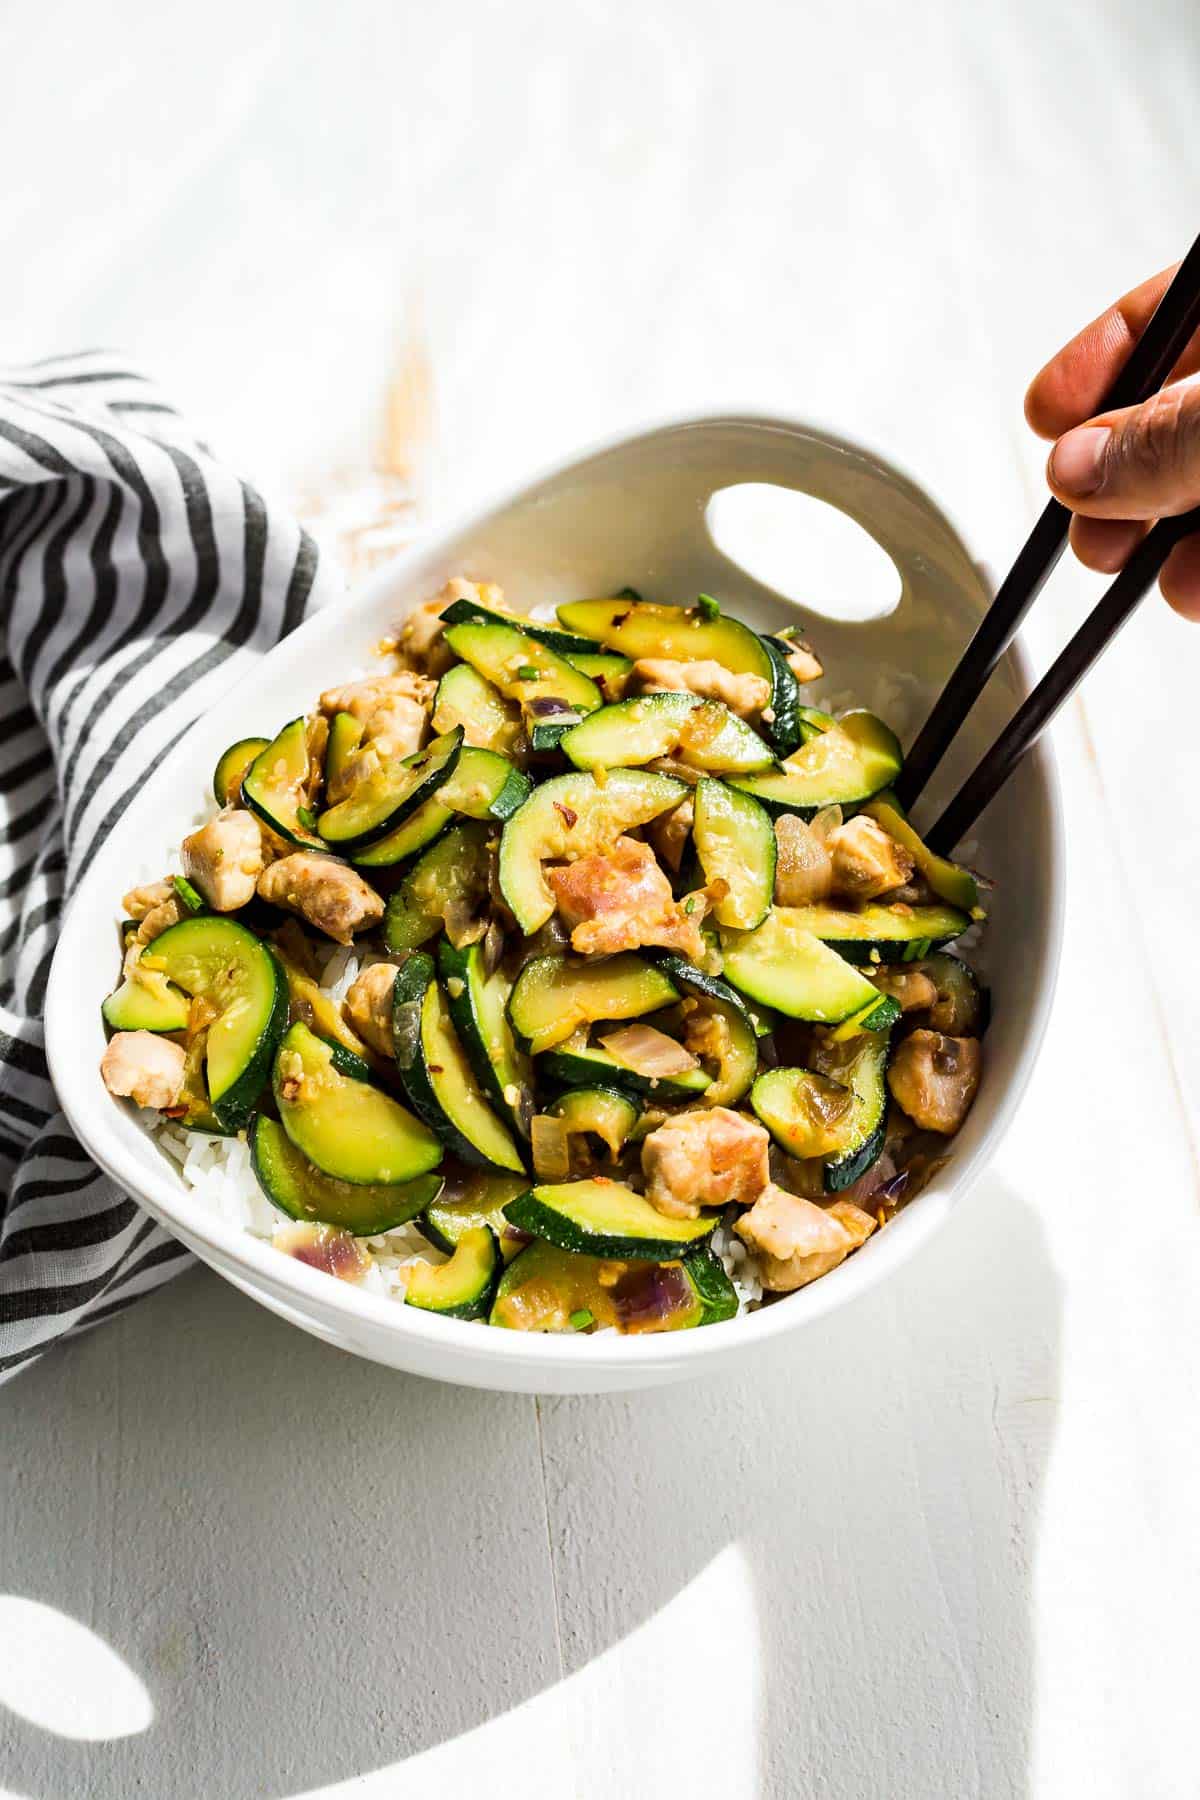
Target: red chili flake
[
  {"x": 569, "y": 815},
  {"x": 436, "y": 1069},
  {"x": 174, "y": 1112}
]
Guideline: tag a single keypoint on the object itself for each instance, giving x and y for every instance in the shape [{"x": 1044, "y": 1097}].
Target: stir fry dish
[{"x": 567, "y": 975}]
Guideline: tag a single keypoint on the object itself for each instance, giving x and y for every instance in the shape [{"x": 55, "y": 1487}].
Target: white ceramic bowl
[{"x": 632, "y": 512}]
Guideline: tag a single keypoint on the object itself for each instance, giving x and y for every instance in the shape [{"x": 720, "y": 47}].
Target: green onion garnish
[
  {"x": 707, "y": 607},
  {"x": 187, "y": 894},
  {"x": 580, "y": 1320},
  {"x": 306, "y": 818},
  {"x": 527, "y": 672}
]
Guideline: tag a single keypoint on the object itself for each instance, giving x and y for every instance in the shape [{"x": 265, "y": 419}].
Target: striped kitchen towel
[{"x": 138, "y": 578}]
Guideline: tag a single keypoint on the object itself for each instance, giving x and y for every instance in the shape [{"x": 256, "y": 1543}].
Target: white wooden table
[{"x": 945, "y": 1545}]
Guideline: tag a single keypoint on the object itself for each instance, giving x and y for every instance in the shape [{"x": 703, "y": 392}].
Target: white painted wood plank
[{"x": 316, "y": 1567}]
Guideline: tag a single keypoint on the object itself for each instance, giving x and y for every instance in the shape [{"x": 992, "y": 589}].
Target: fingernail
[{"x": 1077, "y": 460}]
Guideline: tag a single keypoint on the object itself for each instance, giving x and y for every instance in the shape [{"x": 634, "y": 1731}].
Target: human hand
[{"x": 1119, "y": 471}]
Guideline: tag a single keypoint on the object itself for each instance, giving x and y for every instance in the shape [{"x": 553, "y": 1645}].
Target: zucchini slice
[
  {"x": 316, "y": 1008},
  {"x": 197, "y": 1114},
  {"x": 735, "y": 844},
  {"x": 553, "y": 997},
  {"x": 461, "y": 1288},
  {"x": 385, "y": 798},
  {"x": 606, "y": 1218},
  {"x": 881, "y": 933},
  {"x": 568, "y": 817},
  {"x": 784, "y": 730},
  {"x": 637, "y": 629},
  {"x": 276, "y": 787},
  {"x": 730, "y": 1044},
  {"x": 785, "y": 965},
  {"x": 438, "y": 1078},
  {"x": 807, "y": 1114},
  {"x": 485, "y": 786},
  {"x": 469, "y": 612},
  {"x": 843, "y": 766},
  {"x": 548, "y": 1289},
  {"x": 147, "y": 1001},
  {"x": 701, "y": 733},
  {"x": 717, "y": 1295},
  {"x": 602, "y": 1112},
  {"x": 218, "y": 960},
  {"x": 477, "y": 1197},
  {"x": 482, "y": 785},
  {"x": 464, "y": 698},
  {"x": 588, "y": 1067},
  {"x": 452, "y": 874},
  {"x": 948, "y": 880},
  {"x": 961, "y": 1007},
  {"x": 609, "y": 671},
  {"x": 301, "y": 1190},
  {"x": 345, "y": 1125},
  {"x": 862, "y": 1066},
  {"x": 345, "y": 735},
  {"x": 479, "y": 1013},
  {"x": 232, "y": 767},
  {"x": 813, "y": 723},
  {"x": 522, "y": 668}
]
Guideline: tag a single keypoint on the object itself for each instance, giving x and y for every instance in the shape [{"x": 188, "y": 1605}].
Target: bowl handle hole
[{"x": 805, "y": 550}]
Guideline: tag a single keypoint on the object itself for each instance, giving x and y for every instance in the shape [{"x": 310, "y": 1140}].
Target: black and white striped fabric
[{"x": 138, "y": 578}]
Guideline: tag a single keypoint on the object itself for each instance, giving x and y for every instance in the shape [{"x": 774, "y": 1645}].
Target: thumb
[{"x": 1140, "y": 463}]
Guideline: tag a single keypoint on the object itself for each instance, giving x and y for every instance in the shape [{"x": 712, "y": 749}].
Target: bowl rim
[{"x": 608, "y": 1354}]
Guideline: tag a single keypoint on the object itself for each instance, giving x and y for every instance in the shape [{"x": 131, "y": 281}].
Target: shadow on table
[
  {"x": 319, "y": 1569},
  {"x": 882, "y": 1474}
]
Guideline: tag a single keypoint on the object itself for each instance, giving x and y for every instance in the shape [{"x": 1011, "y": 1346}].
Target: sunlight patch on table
[
  {"x": 671, "y": 1709},
  {"x": 57, "y": 1674}
]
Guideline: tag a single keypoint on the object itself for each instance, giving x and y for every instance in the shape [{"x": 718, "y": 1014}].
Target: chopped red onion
[
  {"x": 647, "y": 1294},
  {"x": 648, "y": 1051},
  {"x": 547, "y": 706}
]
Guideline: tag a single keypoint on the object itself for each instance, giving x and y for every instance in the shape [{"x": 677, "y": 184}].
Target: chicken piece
[
  {"x": 912, "y": 990},
  {"x": 328, "y": 893},
  {"x": 157, "y": 921},
  {"x": 670, "y": 831},
  {"x": 707, "y": 1034},
  {"x": 798, "y": 1241},
  {"x": 362, "y": 699},
  {"x": 392, "y": 709},
  {"x": 420, "y": 639},
  {"x": 803, "y": 864},
  {"x": 866, "y": 861},
  {"x": 421, "y": 642},
  {"x": 368, "y": 1006},
  {"x": 142, "y": 900},
  {"x": 163, "y": 914},
  {"x": 935, "y": 1079},
  {"x": 803, "y": 661},
  {"x": 745, "y": 695},
  {"x": 316, "y": 742},
  {"x": 144, "y": 1068},
  {"x": 225, "y": 859},
  {"x": 705, "y": 1159},
  {"x": 620, "y": 900}
]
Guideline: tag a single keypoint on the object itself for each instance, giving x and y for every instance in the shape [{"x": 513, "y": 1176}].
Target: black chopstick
[
  {"x": 1174, "y": 321},
  {"x": 1060, "y": 680}
]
